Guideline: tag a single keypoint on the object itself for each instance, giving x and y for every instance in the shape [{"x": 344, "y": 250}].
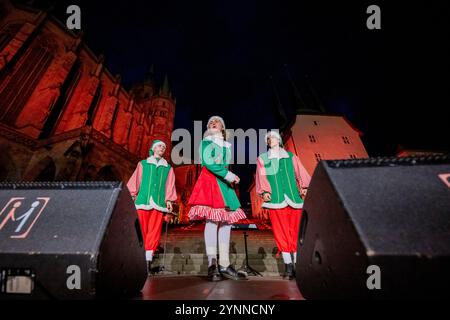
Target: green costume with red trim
[
  {"x": 213, "y": 197},
  {"x": 280, "y": 174},
  {"x": 152, "y": 194}
]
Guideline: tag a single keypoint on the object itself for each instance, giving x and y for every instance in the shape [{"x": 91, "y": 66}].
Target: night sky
[{"x": 392, "y": 84}]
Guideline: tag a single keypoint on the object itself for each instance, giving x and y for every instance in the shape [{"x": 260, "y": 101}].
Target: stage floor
[{"x": 164, "y": 287}]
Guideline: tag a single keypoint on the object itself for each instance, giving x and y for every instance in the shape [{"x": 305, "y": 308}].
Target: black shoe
[
  {"x": 213, "y": 273},
  {"x": 230, "y": 273},
  {"x": 149, "y": 268},
  {"x": 289, "y": 273}
]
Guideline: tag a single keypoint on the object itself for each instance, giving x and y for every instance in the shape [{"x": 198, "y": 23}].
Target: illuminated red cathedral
[{"x": 63, "y": 115}]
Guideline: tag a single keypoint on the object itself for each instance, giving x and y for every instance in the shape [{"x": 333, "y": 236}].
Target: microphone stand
[
  {"x": 162, "y": 269},
  {"x": 247, "y": 268}
]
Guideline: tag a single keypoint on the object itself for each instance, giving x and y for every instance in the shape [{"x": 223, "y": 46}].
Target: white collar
[
  {"x": 161, "y": 162},
  {"x": 218, "y": 140},
  {"x": 279, "y": 155}
]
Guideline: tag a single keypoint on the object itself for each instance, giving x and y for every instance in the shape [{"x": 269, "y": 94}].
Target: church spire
[
  {"x": 300, "y": 102},
  {"x": 165, "y": 90},
  {"x": 150, "y": 78},
  {"x": 318, "y": 104},
  {"x": 279, "y": 107},
  {"x": 308, "y": 102}
]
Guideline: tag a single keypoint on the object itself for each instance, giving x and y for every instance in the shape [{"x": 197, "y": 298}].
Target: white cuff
[{"x": 230, "y": 177}]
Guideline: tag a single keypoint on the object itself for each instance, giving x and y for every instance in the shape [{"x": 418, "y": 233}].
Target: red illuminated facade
[
  {"x": 63, "y": 115},
  {"x": 185, "y": 177}
]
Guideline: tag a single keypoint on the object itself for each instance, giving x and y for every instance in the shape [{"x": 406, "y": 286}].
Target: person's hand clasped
[
  {"x": 303, "y": 192},
  {"x": 267, "y": 197},
  {"x": 169, "y": 206}
]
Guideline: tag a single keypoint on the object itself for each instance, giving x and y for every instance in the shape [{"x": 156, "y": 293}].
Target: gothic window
[
  {"x": 162, "y": 113},
  {"x": 23, "y": 79},
  {"x": 94, "y": 104},
  {"x": 312, "y": 138},
  {"x": 345, "y": 140},
  {"x": 66, "y": 94},
  {"x": 114, "y": 118},
  {"x": 352, "y": 156},
  {"x": 71, "y": 84},
  {"x": 7, "y": 34},
  {"x": 129, "y": 129}
]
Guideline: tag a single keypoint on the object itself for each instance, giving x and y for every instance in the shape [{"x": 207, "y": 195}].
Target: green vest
[
  {"x": 281, "y": 176},
  {"x": 152, "y": 191},
  {"x": 216, "y": 159}
]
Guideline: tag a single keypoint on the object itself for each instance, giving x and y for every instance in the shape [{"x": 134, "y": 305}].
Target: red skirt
[
  {"x": 207, "y": 201},
  {"x": 206, "y": 191}
]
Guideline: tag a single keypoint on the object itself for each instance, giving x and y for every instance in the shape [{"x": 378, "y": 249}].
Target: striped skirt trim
[{"x": 216, "y": 214}]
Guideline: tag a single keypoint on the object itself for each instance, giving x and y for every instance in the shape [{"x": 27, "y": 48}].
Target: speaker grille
[
  {"x": 61, "y": 185},
  {"x": 389, "y": 161}
]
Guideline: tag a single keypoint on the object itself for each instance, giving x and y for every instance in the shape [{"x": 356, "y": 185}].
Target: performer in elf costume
[
  {"x": 281, "y": 180},
  {"x": 214, "y": 199},
  {"x": 152, "y": 187}
]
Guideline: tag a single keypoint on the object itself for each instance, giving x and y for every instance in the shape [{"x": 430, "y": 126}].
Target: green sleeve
[{"x": 208, "y": 152}]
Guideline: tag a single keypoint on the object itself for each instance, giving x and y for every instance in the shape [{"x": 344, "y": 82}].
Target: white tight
[
  {"x": 287, "y": 258},
  {"x": 223, "y": 238}
]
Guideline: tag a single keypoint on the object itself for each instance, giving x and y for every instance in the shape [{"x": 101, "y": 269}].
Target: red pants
[
  {"x": 285, "y": 226},
  {"x": 151, "y": 224}
]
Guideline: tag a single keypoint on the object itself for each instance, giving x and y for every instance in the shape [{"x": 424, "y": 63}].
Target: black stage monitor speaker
[
  {"x": 67, "y": 240},
  {"x": 376, "y": 228}
]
